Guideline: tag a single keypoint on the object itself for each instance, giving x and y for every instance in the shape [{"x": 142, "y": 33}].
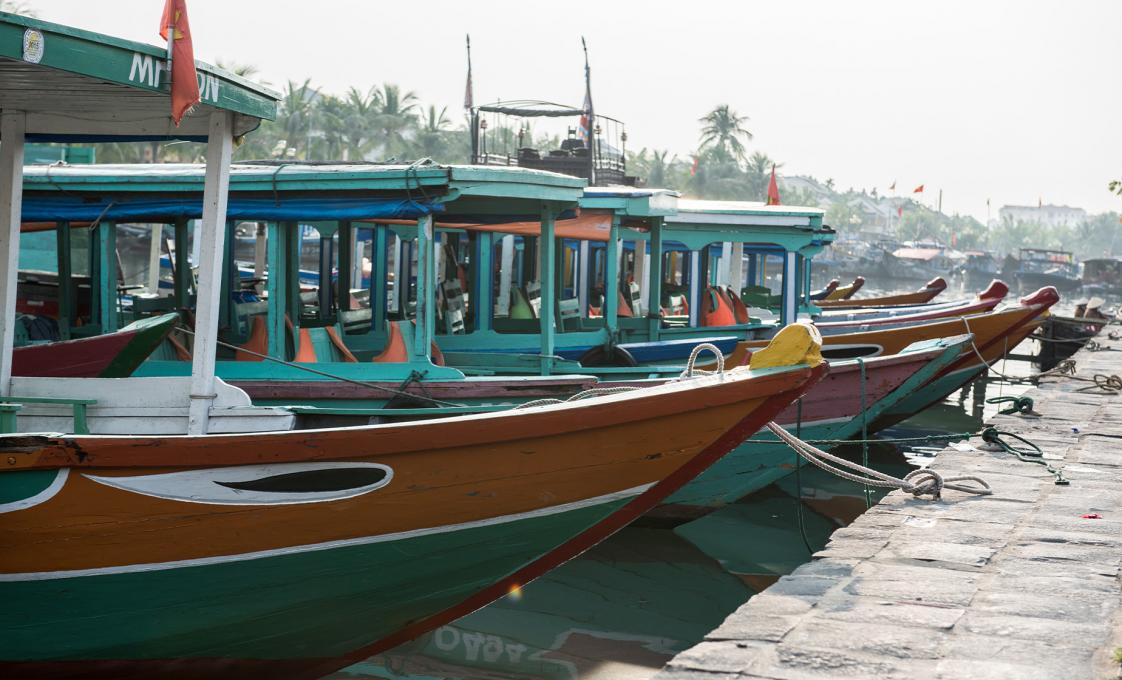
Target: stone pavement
[{"x": 1023, "y": 584}]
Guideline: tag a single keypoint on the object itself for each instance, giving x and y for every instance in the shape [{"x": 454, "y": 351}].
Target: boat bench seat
[{"x": 137, "y": 406}]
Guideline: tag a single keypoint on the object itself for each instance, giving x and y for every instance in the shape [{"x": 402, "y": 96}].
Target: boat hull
[
  {"x": 925, "y": 294},
  {"x": 113, "y": 355},
  {"x": 228, "y": 564},
  {"x": 830, "y": 410}
]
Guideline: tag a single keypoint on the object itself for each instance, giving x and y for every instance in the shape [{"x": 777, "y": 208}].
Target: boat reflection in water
[{"x": 623, "y": 609}]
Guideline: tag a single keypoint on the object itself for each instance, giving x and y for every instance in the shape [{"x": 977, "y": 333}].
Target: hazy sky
[{"x": 1014, "y": 101}]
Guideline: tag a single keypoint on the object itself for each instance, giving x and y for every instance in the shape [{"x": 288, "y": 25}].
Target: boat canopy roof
[
  {"x": 90, "y": 87},
  {"x": 924, "y": 254},
  {"x": 631, "y": 201},
  {"x": 296, "y": 191},
  {"x": 698, "y": 223}
]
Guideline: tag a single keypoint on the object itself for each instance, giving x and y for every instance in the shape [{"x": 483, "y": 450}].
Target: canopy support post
[
  {"x": 736, "y": 268},
  {"x": 695, "y": 288},
  {"x": 105, "y": 254},
  {"x": 260, "y": 254},
  {"x": 212, "y": 237},
  {"x": 506, "y": 272},
  {"x": 346, "y": 273},
  {"x": 547, "y": 276},
  {"x": 182, "y": 263},
  {"x": 638, "y": 270},
  {"x": 276, "y": 285},
  {"x": 654, "y": 278},
  {"x": 154, "y": 259},
  {"x": 790, "y": 288},
  {"x": 611, "y": 279},
  {"x": 378, "y": 278},
  {"x": 12, "y": 127},
  {"x": 481, "y": 296},
  {"x": 426, "y": 279},
  {"x": 583, "y": 277},
  {"x": 65, "y": 279}
]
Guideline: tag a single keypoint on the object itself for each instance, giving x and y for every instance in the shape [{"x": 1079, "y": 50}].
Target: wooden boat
[
  {"x": 846, "y": 292},
  {"x": 996, "y": 290},
  {"x": 832, "y": 409},
  {"x": 114, "y": 355},
  {"x": 842, "y": 321},
  {"x": 925, "y": 294},
  {"x": 1037, "y": 267},
  {"x": 826, "y": 292},
  {"x": 1102, "y": 276},
  {"x": 988, "y": 328},
  {"x": 279, "y": 550}
]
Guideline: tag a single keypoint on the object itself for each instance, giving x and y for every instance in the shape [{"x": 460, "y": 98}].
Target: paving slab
[{"x": 1026, "y": 583}]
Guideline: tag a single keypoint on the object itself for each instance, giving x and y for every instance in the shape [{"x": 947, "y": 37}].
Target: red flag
[
  {"x": 184, "y": 81},
  {"x": 772, "y": 189},
  {"x": 900, "y": 211},
  {"x": 696, "y": 163},
  {"x": 918, "y": 190}
]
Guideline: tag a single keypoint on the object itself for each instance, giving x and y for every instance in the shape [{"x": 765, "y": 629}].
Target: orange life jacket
[{"x": 716, "y": 310}]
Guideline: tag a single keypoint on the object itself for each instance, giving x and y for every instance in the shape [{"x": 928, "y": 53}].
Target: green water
[{"x": 622, "y": 610}]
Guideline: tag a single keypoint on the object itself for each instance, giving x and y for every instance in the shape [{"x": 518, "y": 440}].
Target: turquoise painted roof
[
  {"x": 489, "y": 189},
  {"x": 698, "y": 223},
  {"x": 631, "y": 201},
  {"x": 75, "y": 83}
]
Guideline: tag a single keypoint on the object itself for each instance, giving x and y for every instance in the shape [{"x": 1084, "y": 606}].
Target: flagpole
[
  {"x": 469, "y": 104},
  {"x": 591, "y": 116}
]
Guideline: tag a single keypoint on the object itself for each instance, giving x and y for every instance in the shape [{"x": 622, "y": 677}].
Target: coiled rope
[
  {"x": 1022, "y": 405},
  {"x": 919, "y": 483}
]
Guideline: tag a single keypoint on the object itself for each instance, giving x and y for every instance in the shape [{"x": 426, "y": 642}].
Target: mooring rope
[
  {"x": 585, "y": 394},
  {"x": 689, "y": 371},
  {"x": 1022, "y": 405},
  {"x": 924, "y": 482},
  {"x": 1034, "y": 454}
]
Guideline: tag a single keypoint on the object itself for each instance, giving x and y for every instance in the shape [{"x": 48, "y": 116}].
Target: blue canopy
[{"x": 58, "y": 208}]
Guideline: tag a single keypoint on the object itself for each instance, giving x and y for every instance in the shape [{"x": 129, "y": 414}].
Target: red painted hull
[{"x": 84, "y": 358}]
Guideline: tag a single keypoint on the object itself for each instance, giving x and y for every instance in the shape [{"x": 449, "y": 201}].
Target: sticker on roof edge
[{"x": 33, "y": 46}]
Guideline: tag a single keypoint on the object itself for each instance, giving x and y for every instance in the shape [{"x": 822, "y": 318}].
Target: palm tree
[
  {"x": 295, "y": 115},
  {"x": 759, "y": 174},
  {"x": 394, "y": 115},
  {"x": 430, "y": 136},
  {"x": 724, "y": 131}
]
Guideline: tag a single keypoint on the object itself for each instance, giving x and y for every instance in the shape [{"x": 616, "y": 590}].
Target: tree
[
  {"x": 724, "y": 132},
  {"x": 295, "y": 116},
  {"x": 758, "y": 174},
  {"x": 394, "y": 115},
  {"x": 431, "y": 135}
]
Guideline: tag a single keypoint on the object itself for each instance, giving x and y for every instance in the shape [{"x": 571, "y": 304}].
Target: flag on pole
[
  {"x": 918, "y": 190},
  {"x": 772, "y": 189},
  {"x": 582, "y": 129},
  {"x": 694, "y": 165},
  {"x": 184, "y": 82},
  {"x": 900, "y": 211},
  {"x": 469, "y": 95},
  {"x": 893, "y": 187}
]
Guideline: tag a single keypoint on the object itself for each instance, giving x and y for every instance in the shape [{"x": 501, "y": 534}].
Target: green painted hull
[
  {"x": 763, "y": 459},
  {"x": 926, "y": 396},
  {"x": 308, "y": 605}
]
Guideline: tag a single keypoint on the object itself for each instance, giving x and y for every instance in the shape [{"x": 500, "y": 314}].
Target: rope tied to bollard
[
  {"x": 1021, "y": 405},
  {"x": 925, "y": 482},
  {"x": 1033, "y": 454}
]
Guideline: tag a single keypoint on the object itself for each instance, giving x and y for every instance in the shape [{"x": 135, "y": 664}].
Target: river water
[{"x": 623, "y": 609}]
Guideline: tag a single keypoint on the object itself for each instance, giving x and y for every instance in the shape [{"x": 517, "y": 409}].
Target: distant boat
[
  {"x": 1038, "y": 267},
  {"x": 1102, "y": 276}
]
